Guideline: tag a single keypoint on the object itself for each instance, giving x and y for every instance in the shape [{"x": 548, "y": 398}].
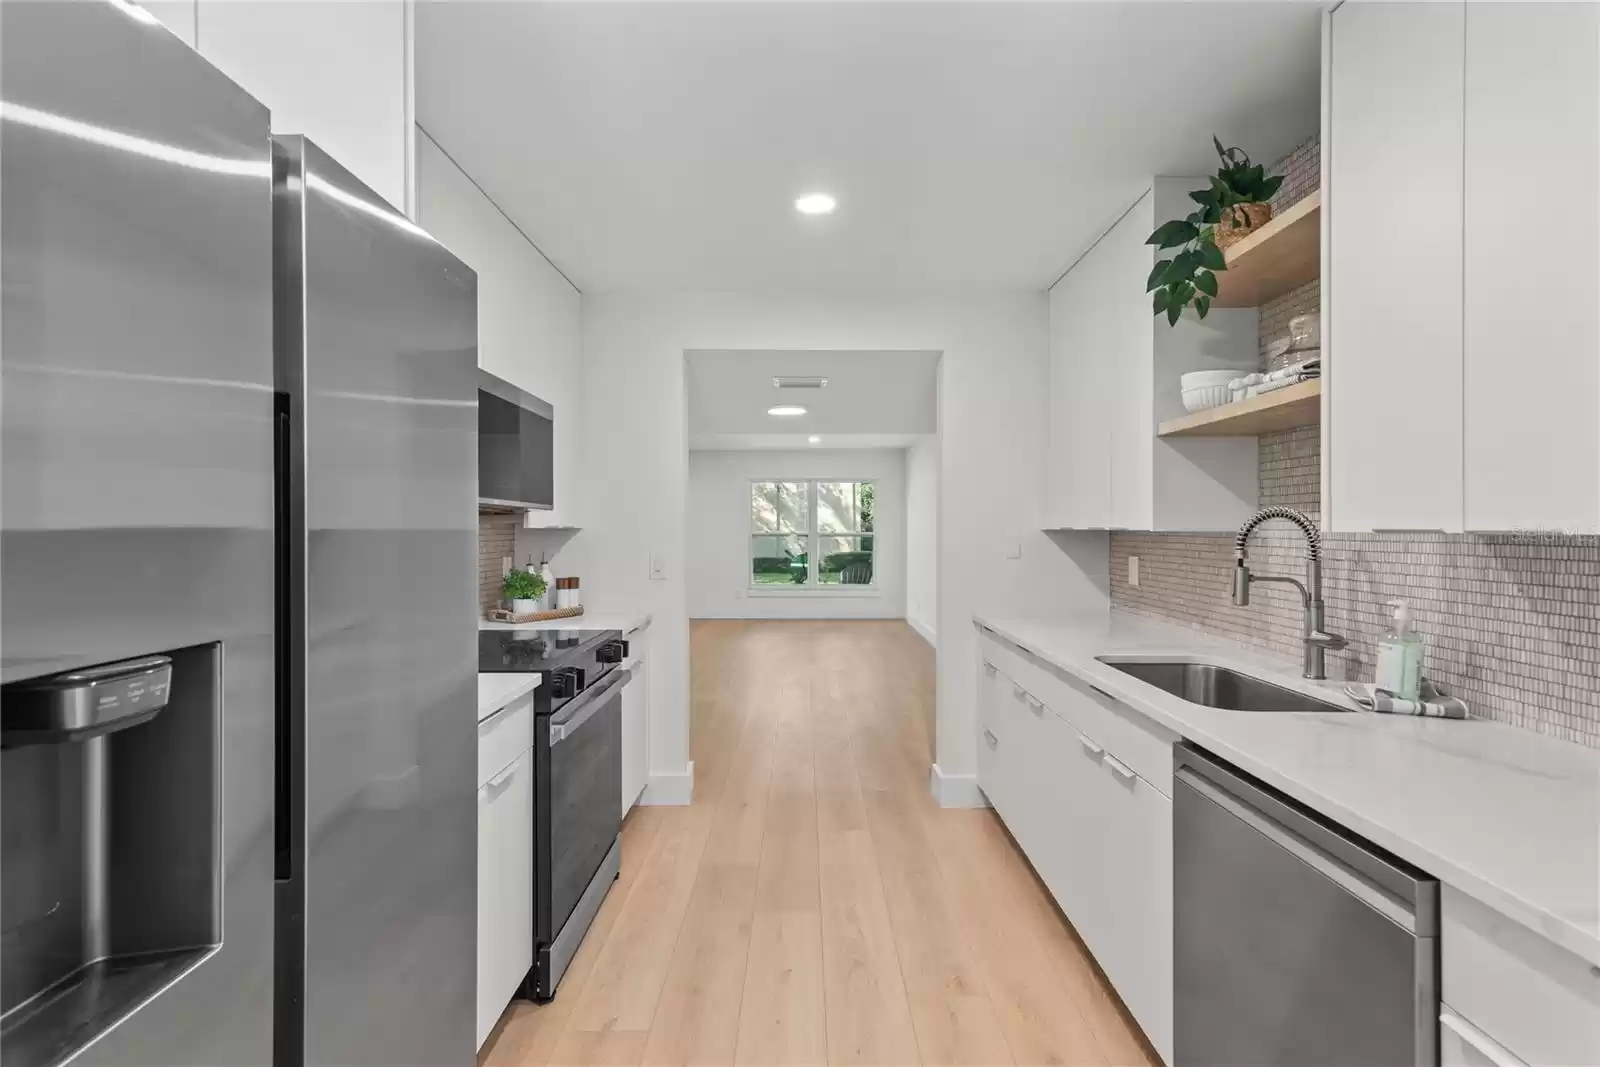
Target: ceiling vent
[{"x": 799, "y": 383}]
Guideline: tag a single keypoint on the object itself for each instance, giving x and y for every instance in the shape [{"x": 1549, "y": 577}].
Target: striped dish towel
[{"x": 1432, "y": 703}]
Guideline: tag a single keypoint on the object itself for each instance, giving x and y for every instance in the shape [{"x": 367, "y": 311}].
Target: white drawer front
[
  {"x": 504, "y": 736},
  {"x": 505, "y": 889},
  {"x": 1463, "y": 1045},
  {"x": 1534, "y": 998},
  {"x": 1125, "y": 733}
]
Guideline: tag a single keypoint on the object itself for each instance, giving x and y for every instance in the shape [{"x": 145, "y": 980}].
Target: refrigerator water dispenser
[{"x": 110, "y": 883}]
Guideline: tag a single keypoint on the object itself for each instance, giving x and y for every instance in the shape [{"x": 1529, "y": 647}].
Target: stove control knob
[
  {"x": 565, "y": 683},
  {"x": 612, "y": 652}
]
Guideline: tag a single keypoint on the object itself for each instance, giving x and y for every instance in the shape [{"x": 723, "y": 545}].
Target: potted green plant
[
  {"x": 523, "y": 590},
  {"x": 1236, "y": 203}
]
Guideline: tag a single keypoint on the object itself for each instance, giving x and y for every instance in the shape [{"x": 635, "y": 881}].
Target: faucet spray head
[{"x": 1241, "y": 584}]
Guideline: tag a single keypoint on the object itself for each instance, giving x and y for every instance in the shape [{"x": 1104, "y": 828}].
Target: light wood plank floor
[{"x": 813, "y": 905}]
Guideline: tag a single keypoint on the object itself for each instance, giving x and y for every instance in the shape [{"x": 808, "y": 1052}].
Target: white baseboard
[
  {"x": 927, "y": 632},
  {"x": 670, "y": 790},
  {"x": 956, "y": 790}
]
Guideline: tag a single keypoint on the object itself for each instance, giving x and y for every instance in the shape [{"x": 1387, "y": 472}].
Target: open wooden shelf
[
  {"x": 1282, "y": 409},
  {"x": 1282, "y": 255}
]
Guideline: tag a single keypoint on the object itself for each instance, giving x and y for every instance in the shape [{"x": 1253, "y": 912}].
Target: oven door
[{"x": 585, "y": 781}]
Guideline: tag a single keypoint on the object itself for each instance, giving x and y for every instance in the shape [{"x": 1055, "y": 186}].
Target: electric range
[{"x": 577, "y": 762}]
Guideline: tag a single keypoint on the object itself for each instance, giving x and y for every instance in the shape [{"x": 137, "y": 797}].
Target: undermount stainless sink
[{"x": 1218, "y": 687}]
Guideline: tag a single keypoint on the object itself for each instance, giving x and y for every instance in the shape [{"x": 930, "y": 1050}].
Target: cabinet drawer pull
[
  {"x": 990, "y": 668},
  {"x": 1036, "y": 704},
  {"x": 994, "y": 742},
  {"x": 504, "y": 776},
  {"x": 1120, "y": 769},
  {"x": 1103, "y": 693},
  {"x": 1017, "y": 691},
  {"x": 1090, "y": 747}
]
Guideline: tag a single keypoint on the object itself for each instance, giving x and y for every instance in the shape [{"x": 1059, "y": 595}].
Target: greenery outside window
[{"x": 811, "y": 534}]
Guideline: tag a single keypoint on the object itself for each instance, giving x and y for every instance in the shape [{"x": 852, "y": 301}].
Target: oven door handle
[{"x": 581, "y": 710}]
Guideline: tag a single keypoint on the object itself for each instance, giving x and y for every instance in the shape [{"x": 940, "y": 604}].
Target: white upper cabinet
[
  {"x": 529, "y": 321},
  {"x": 1461, "y": 147},
  {"x": 1532, "y": 358},
  {"x": 1079, "y": 467},
  {"x": 337, "y": 72},
  {"x": 1393, "y": 286},
  {"x": 1114, "y": 370}
]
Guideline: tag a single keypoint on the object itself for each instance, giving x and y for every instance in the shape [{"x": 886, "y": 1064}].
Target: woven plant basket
[{"x": 1239, "y": 222}]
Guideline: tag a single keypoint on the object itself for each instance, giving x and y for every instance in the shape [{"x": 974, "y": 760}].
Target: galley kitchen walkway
[{"x": 813, "y": 906}]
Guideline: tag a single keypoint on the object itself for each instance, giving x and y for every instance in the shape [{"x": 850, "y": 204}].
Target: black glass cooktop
[{"x": 505, "y": 651}]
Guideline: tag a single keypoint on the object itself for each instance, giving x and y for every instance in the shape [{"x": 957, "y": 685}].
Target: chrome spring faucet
[{"x": 1317, "y": 640}]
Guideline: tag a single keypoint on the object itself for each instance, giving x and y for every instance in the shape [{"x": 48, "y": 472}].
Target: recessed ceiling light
[
  {"x": 786, "y": 410},
  {"x": 814, "y": 439},
  {"x": 816, "y": 204}
]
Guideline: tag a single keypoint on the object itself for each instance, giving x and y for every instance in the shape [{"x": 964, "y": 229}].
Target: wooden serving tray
[{"x": 502, "y": 615}]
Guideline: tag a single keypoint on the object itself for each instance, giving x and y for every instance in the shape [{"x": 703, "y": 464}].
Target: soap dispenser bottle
[
  {"x": 1400, "y": 656},
  {"x": 549, "y": 577}
]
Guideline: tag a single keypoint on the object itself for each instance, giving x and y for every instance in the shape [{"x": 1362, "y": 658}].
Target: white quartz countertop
[
  {"x": 613, "y": 621},
  {"x": 1505, "y": 815},
  {"x": 495, "y": 691}
]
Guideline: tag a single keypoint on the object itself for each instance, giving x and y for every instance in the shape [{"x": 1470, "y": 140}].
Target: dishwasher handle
[
  {"x": 1351, "y": 881},
  {"x": 1414, "y": 889}
]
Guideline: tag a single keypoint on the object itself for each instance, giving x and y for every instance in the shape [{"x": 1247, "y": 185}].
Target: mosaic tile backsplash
[
  {"x": 497, "y": 539},
  {"x": 1511, "y": 623}
]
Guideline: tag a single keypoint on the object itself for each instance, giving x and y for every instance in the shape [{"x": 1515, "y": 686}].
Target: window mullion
[{"x": 811, "y": 526}]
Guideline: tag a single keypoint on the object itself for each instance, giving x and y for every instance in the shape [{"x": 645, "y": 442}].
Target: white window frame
[{"x": 813, "y": 585}]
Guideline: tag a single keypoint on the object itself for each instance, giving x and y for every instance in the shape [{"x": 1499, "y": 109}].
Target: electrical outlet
[
  {"x": 506, "y": 564},
  {"x": 1133, "y": 570}
]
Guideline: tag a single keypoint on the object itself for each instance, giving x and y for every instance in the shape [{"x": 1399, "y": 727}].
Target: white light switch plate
[
  {"x": 658, "y": 567},
  {"x": 1014, "y": 550},
  {"x": 1133, "y": 570}
]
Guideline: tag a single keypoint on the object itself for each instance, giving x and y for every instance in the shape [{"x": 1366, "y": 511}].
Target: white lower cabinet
[
  {"x": 1130, "y": 933},
  {"x": 1097, "y": 832},
  {"x": 1109, "y": 866},
  {"x": 505, "y": 888},
  {"x": 1527, "y": 997},
  {"x": 1462, "y": 1044},
  {"x": 998, "y": 757},
  {"x": 635, "y": 733}
]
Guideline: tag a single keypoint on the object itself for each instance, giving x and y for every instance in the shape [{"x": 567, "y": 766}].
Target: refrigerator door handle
[{"x": 583, "y": 709}]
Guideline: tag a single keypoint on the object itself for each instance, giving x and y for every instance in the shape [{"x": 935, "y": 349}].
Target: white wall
[
  {"x": 922, "y": 538},
  {"x": 338, "y": 71},
  {"x": 992, "y": 398},
  {"x": 529, "y": 322},
  {"x": 717, "y": 567}
]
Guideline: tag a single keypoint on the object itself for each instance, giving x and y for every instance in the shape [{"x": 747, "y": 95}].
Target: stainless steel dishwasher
[{"x": 1294, "y": 942}]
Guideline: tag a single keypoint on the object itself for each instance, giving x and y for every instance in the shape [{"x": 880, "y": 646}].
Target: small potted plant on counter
[
  {"x": 522, "y": 591},
  {"x": 1235, "y": 205}
]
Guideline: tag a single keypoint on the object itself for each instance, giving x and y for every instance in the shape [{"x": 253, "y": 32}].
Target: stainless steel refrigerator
[
  {"x": 377, "y": 359},
  {"x": 237, "y": 571}
]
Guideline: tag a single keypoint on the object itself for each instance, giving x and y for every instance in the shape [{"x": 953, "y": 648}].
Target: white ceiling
[
  {"x": 876, "y": 399},
  {"x": 744, "y": 442},
  {"x": 661, "y": 145}
]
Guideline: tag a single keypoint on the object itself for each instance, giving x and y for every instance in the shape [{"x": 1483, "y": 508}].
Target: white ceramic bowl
[
  {"x": 1207, "y": 396},
  {"x": 1197, "y": 379}
]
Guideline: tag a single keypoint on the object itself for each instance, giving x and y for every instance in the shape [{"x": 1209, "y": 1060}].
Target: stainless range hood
[{"x": 516, "y": 448}]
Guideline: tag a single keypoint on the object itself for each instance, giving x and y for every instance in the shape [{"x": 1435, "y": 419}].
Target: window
[{"x": 810, "y": 534}]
